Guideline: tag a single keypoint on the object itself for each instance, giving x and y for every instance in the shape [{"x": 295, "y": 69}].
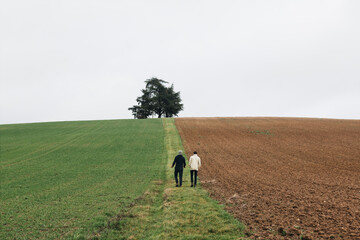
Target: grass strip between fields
[{"x": 168, "y": 212}]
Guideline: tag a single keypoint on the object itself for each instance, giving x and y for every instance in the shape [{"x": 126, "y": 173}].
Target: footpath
[{"x": 168, "y": 212}]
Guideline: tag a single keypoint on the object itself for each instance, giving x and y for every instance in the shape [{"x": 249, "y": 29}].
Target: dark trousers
[
  {"x": 193, "y": 172},
  {"x": 180, "y": 173}
]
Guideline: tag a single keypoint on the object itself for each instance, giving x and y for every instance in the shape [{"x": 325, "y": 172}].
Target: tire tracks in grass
[
  {"x": 56, "y": 147},
  {"x": 125, "y": 157},
  {"x": 69, "y": 186},
  {"x": 59, "y": 146},
  {"x": 42, "y": 147},
  {"x": 71, "y": 224}
]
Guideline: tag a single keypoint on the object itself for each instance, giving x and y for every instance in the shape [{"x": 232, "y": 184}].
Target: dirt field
[{"x": 283, "y": 177}]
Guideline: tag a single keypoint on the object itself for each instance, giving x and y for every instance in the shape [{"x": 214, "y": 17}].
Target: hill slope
[
  {"x": 102, "y": 180},
  {"x": 168, "y": 212},
  {"x": 282, "y": 176},
  {"x": 67, "y": 179}
]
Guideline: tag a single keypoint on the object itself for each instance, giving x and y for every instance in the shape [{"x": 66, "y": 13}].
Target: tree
[{"x": 157, "y": 99}]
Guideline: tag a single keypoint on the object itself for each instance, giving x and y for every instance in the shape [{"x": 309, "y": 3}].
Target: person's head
[
  {"x": 195, "y": 152},
  {"x": 180, "y": 152}
]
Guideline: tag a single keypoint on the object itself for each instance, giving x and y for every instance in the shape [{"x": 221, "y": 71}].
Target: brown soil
[{"x": 283, "y": 177}]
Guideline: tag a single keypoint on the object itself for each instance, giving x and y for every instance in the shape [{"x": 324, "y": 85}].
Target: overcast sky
[{"x": 88, "y": 59}]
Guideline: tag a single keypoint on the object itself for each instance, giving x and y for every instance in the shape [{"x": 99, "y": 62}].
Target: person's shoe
[
  {"x": 177, "y": 185},
  {"x": 191, "y": 185}
]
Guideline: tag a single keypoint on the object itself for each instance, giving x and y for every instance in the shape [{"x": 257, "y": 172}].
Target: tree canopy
[{"x": 158, "y": 100}]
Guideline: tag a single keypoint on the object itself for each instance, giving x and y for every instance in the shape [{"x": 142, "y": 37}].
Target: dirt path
[{"x": 283, "y": 177}]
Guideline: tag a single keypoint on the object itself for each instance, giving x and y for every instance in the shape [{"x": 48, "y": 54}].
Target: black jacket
[{"x": 179, "y": 162}]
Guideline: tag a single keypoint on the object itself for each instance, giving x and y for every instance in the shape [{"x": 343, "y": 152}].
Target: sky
[{"x": 88, "y": 59}]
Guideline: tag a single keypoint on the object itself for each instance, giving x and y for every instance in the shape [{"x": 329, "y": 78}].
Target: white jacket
[{"x": 194, "y": 162}]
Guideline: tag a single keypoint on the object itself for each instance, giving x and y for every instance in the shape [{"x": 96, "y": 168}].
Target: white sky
[{"x": 88, "y": 59}]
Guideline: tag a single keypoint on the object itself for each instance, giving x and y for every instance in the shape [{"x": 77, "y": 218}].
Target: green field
[
  {"x": 101, "y": 180},
  {"x": 67, "y": 179}
]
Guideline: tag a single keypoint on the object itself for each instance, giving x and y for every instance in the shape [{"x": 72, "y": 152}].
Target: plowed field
[{"x": 283, "y": 177}]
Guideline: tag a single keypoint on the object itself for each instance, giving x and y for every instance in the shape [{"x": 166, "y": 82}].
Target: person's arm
[
  {"x": 199, "y": 162},
  {"x": 184, "y": 160},
  {"x": 173, "y": 163}
]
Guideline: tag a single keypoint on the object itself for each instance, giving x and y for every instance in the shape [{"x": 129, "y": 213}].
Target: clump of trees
[{"x": 157, "y": 100}]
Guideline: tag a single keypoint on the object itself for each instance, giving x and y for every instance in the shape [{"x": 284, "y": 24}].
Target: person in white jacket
[{"x": 194, "y": 164}]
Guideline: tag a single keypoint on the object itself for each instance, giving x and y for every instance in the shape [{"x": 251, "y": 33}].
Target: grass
[
  {"x": 263, "y": 132},
  {"x": 102, "y": 180},
  {"x": 167, "y": 212},
  {"x": 70, "y": 179}
]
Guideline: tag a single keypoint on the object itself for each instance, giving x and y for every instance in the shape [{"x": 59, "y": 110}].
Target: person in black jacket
[{"x": 180, "y": 164}]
